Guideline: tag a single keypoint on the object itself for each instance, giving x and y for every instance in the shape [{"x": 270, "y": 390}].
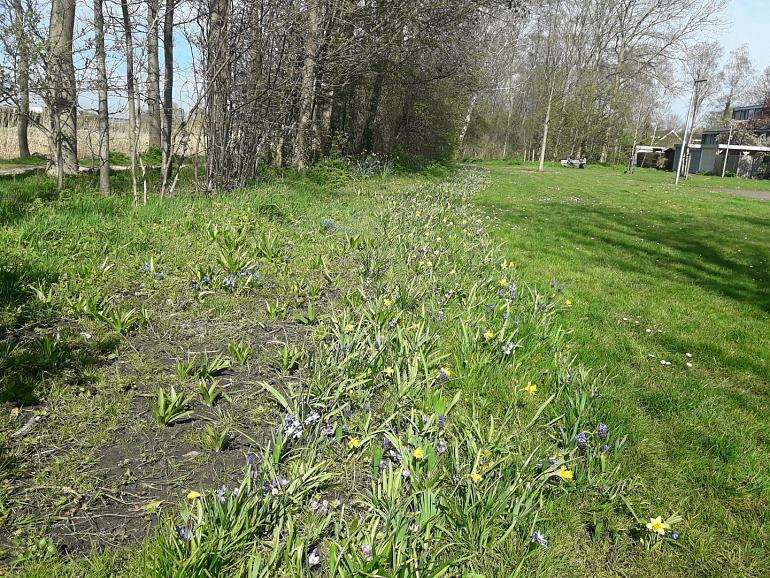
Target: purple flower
[
  {"x": 221, "y": 493},
  {"x": 605, "y": 448},
  {"x": 252, "y": 459},
  {"x": 675, "y": 535},
  {"x": 386, "y": 442},
  {"x": 539, "y": 538},
  {"x": 313, "y": 558},
  {"x": 581, "y": 440},
  {"x": 507, "y": 348},
  {"x": 602, "y": 431},
  {"x": 443, "y": 375},
  {"x": 543, "y": 307},
  {"x": 441, "y": 447},
  {"x": 552, "y": 283},
  {"x": 366, "y": 550},
  {"x": 292, "y": 428},
  {"x": 441, "y": 420},
  {"x": 236, "y": 491},
  {"x": 406, "y": 474}
]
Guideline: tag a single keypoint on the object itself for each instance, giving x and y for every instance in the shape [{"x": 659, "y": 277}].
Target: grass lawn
[{"x": 661, "y": 274}]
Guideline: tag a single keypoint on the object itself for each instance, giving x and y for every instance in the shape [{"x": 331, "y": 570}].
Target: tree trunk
[
  {"x": 367, "y": 137},
  {"x": 104, "y": 112},
  {"x": 153, "y": 76},
  {"x": 22, "y": 76},
  {"x": 131, "y": 95},
  {"x": 545, "y": 129},
  {"x": 216, "y": 103},
  {"x": 62, "y": 96},
  {"x": 307, "y": 95},
  {"x": 467, "y": 122},
  {"x": 168, "y": 91}
]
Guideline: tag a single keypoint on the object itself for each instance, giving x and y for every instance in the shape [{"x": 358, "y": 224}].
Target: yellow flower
[
  {"x": 418, "y": 454},
  {"x": 388, "y": 302},
  {"x": 388, "y": 371},
  {"x": 192, "y": 496},
  {"x": 565, "y": 474},
  {"x": 354, "y": 443},
  {"x": 657, "y": 525},
  {"x": 446, "y": 372},
  {"x": 348, "y": 328},
  {"x": 476, "y": 477},
  {"x": 531, "y": 388},
  {"x": 504, "y": 266},
  {"x": 453, "y": 271},
  {"x": 486, "y": 453},
  {"x": 503, "y": 282},
  {"x": 488, "y": 335},
  {"x": 569, "y": 302}
]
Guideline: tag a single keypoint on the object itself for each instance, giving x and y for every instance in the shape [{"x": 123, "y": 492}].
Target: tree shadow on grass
[{"x": 696, "y": 252}]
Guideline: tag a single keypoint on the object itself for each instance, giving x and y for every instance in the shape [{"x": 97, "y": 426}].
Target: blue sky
[{"x": 748, "y": 22}]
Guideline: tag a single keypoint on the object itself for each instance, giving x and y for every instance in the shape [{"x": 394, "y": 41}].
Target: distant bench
[{"x": 574, "y": 163}]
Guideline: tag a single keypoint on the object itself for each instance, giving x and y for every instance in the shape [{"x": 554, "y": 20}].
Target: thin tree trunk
[
  {"x": 217, "y": 76},
  {"x": 63, "y": 90},
  {"x": 104, "y": 113},
  {"x": 168, "y": 91},
  {"x": 307, "y": 95},
  {"x": 22, "y": 76},
  {"x": 153, "y": 76},
  {"x": 467, "y": 121},
  {"x": 131, "y": 95},
  {"x": 545, "y": 128}
]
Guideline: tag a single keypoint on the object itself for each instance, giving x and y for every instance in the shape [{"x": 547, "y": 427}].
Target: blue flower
[
  {"x": 581, "y": 440},
  {"x": 184, "y": 533},
  {"x": 675, "y": 535},
  {"x": 366, "y": 550},
  {"x": 602, "y": 431},
  {"x": 441, "y": 420},
  {"x": 539, "y": 538},
  {"x": 552, "y": 283}
]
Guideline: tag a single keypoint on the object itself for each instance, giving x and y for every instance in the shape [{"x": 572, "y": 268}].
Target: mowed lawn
[{"x": 660, "y": 277}]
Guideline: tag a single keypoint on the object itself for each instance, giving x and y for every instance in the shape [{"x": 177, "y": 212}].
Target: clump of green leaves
[
  {"x": 171, "y": 407},
  {"x": 240, "y": 352},
  {"x": 209, "y": 392}
]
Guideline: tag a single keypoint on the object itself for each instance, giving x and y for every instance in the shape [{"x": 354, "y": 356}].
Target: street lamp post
[{"x": 687, "y": 127}]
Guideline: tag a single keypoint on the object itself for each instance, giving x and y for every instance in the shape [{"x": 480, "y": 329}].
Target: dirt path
[{"x": 749, "y": 194}]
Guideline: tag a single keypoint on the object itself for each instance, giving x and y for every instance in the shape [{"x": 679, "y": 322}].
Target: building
[{"x": 716, "y": 150}]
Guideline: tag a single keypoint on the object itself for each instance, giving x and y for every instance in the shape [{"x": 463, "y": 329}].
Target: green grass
[
  {"x": 655, "y": 272},
  {"x": 370, "y": 285}
]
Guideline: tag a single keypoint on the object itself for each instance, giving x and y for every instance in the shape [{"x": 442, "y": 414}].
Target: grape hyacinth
[
  {"x": 581, "y": 440},
  {"x": 602, "y": 431}
]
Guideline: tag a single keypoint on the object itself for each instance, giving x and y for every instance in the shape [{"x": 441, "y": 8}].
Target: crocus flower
[
  {"x": 313, "y": 559},
  {"x": 366, "y": 550}
]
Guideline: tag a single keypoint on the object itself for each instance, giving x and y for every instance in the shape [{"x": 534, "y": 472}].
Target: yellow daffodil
[
  {"x": 192, "y": 496},
  {"x": 354, "y": 443},
  {"x": 475, "y": 476},
  {"x": 418, "y": 454},
  {"x": 565, "y": 474},
  {"x": 488, "y": 335},
  {"x": 657, "y": 525},
  {"x": 388, "y": 371},
  {"x": 388, "y": 302},
  {"x": 531, "y": 388},
  {"x": 348, "y": 328}
]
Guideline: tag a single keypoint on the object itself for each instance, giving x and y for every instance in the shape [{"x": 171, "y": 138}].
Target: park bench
[{"x": 579, "y": 163}]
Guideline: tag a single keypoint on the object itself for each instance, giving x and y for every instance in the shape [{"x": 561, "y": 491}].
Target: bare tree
[
  {"x": 153, "y": 76},
  {"x": 62, "y": 90},
  {"x": 131, "y": 93},
  {"x": 104, "y": 111},
  {"x": 22, "y": 74}
]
